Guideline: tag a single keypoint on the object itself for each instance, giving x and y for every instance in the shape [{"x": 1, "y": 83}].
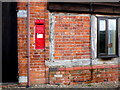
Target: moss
[{"x": 89, "y": 85}]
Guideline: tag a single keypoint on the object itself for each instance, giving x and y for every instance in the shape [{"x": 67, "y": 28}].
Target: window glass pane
[
  {"x": 102, "y": 29},
  {"x": 111, "y": 36},
  {"x": 102, "y": 25}
]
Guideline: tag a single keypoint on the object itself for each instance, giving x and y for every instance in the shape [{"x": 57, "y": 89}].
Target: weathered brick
[{"x": 71, "y": 41}]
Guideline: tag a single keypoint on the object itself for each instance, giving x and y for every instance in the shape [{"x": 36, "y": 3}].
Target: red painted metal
[
  {"x": 39, "y": 21},
  {"x": 39, "y": 34}
]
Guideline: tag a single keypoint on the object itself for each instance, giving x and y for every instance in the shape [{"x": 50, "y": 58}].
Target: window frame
[{"x": 100, "y": 55}]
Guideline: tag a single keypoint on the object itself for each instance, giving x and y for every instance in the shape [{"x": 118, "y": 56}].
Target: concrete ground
[{"x": 10, "y": 86}]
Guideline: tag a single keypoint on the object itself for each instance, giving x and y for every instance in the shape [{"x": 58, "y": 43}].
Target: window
[{"x": 107, "y": 37}]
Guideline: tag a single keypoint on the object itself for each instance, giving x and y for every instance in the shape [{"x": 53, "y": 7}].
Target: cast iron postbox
[{"x": 39, "y": 34}]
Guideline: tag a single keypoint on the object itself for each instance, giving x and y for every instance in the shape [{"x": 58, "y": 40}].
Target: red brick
[{"x": 71, "y": 35}]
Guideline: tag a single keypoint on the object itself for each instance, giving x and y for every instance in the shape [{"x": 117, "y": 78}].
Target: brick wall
[
  {"x": 71, "y": 37},
  {"x": 67, "y": 37},
  {"x": 37, "y": 56},
  {"x": 22, "y": 42},
  {"x": 78, "y": 75}
]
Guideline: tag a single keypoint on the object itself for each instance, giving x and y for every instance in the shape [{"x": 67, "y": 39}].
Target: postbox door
[{"x": 40, "y": 37}]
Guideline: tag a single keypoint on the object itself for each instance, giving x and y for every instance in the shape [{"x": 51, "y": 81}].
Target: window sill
[{"x": 107, "y": 57}]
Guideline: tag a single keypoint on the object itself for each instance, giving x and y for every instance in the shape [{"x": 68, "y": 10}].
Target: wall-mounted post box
[{"x": 39, "y": 34}]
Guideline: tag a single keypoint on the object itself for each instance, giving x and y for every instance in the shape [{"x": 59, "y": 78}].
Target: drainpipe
[
  {"x": 91, "y": 33},
  {"x": 91, "y": 43},
  {"x": 28, "y": 44}
]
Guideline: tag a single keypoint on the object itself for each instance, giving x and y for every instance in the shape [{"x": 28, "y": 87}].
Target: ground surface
[{"x": 10, "y": 86}]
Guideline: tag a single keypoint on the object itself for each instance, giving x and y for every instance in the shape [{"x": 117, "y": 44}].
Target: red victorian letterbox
[{"x": 39, "y": 34}]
